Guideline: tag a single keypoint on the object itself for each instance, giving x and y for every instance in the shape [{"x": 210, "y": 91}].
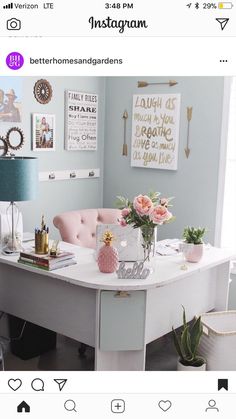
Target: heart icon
[
  {"x": 15, "y": 384},
  {"x": 165, "y": 405}
]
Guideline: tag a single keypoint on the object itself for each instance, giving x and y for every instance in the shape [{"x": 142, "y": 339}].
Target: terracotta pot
[
  {"x": 192, "y": 252},
  {"x": 181, "y": 367}
]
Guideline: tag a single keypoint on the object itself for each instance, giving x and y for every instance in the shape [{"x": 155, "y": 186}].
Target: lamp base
[
  {"x": 13, "y": 245},
  {"x": 12, "y": 248}
]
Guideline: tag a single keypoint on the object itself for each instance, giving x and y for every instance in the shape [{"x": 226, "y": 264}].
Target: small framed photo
[{"x": 44, "y": 132}]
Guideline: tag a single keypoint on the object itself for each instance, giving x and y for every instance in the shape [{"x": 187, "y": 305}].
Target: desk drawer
[{"x": 122, "y": 320}]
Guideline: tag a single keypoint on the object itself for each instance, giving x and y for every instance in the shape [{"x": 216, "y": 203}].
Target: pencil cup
[{"x": 41, "y": 243}]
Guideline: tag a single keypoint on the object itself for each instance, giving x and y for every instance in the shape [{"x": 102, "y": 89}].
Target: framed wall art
[
  {"x": 44, "y": 131},
  {"x": 81, "y": 120},
  {"x": 155, "y": 131},
  {"x": 10, "y": 99}
]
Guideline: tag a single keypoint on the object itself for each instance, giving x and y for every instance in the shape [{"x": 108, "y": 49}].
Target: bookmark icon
[{"x": 223, "y": 384}]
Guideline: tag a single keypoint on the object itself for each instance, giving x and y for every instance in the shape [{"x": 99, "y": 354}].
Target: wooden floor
[{"x": 161, "y": 356}]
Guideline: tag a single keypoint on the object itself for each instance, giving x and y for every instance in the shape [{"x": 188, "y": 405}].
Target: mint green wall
[
  {"x": 56, "y": 197},
  {"x": 194, "y": 184}
]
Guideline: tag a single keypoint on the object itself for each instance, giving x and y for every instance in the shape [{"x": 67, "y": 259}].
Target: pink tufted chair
[{"x": 79, "y": 227}]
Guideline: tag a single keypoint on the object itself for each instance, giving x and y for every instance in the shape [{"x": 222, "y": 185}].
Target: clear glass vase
[{"x": 148, "y": 242}]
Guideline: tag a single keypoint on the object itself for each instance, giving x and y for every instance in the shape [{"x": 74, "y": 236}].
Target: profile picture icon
[
  {"x": 15, "y": 60},
  {"x": 13, "y": 24}
]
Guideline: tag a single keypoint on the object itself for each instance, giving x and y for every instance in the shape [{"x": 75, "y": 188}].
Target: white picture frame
[
  {"x": 44, "y": 132},
  {"x": 81, "y": 121}
]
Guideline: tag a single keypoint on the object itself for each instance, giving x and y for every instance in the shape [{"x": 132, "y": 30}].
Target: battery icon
[{"x": 225, "y": 5}]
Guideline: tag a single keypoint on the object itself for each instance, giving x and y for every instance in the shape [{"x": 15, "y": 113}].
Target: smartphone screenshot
[{"x": 117, "y": 209}]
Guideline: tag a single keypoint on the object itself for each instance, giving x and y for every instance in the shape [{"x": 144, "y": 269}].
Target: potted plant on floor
[
  {"x": 193, "y": 244},
  {"x": 187, "y": 344}
]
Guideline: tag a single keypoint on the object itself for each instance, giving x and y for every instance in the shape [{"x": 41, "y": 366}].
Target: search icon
[{"x": 70, "y": 406}]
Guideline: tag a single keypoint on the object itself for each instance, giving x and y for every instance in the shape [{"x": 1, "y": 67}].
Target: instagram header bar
[{"x": 117, "y": 19}]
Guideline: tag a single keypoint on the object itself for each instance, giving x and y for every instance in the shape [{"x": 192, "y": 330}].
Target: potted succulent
[
  {"x": 193, "y": 244},
  {"x": 187, "y": 344}
]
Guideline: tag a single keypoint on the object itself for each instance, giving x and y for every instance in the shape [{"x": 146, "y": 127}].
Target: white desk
[{"x": 86, "y": 305}]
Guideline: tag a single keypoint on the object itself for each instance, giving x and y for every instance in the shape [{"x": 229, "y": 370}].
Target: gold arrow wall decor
[
  {"x": 189, "y": 117},
  {"x": 170, "y": 83},
  {"x": 125, "y": 147}
]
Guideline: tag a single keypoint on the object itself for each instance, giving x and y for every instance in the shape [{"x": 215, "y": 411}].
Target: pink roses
[
  {"x": 160, "y": 214},
  {"x": 145, "y": 210},
  {"x": 125, "y": 212},
  {"x": 143, "y": 205}
]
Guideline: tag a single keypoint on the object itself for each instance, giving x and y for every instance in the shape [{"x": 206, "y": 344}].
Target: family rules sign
[
  {"x": 155, "y": 131},
  {"x": 81, "y": 121}
]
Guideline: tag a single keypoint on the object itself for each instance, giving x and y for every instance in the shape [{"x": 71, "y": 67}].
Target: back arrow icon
[
  {"x": 223, "y": 22},
  {"x": 61, "y": 383}
]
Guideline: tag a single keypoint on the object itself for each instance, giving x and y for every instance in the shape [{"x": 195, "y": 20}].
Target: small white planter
[
  {"x": 181, "y": 367},
  {"x": 192, "y": 252}
]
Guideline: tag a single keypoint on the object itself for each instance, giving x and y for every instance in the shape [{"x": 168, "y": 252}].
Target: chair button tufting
[{"x": 93, "y": 234}]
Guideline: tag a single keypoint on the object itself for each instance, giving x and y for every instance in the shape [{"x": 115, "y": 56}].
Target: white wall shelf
[{"x": 55, "y": 175}]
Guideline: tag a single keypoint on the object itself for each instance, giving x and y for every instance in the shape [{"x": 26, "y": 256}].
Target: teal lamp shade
[{"x": 18, "y": 178}]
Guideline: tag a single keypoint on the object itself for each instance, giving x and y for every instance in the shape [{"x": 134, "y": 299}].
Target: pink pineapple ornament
[{"x": 108, "y": 259}]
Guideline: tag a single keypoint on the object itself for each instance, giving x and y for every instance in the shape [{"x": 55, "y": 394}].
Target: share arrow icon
[
  {"x": 61, "y": 383},
  {"x": 223, "y": 22}
]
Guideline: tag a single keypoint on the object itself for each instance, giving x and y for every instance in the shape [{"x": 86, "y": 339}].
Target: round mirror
[
  {"x": 43, "y": 91},
  {"x": 15, "y": 138}
]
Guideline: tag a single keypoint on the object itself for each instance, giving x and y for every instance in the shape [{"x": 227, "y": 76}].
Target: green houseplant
[
  {"x": 187, "y": 344},
  {"x": 193, "y": 243}
]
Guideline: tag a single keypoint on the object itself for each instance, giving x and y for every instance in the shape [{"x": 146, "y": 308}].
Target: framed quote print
[
  {"x": 155, "y": 131},
  {"x": 81, "y": 120}
]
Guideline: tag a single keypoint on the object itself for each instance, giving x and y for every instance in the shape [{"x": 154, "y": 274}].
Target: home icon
[{"x": 23, "y": 408}]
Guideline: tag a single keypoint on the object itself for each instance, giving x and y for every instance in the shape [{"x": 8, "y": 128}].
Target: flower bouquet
[{"x": 145, "y": 212}]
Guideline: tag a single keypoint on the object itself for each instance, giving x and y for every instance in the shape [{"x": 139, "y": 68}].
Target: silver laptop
[{"x": 127, "y": 241}]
